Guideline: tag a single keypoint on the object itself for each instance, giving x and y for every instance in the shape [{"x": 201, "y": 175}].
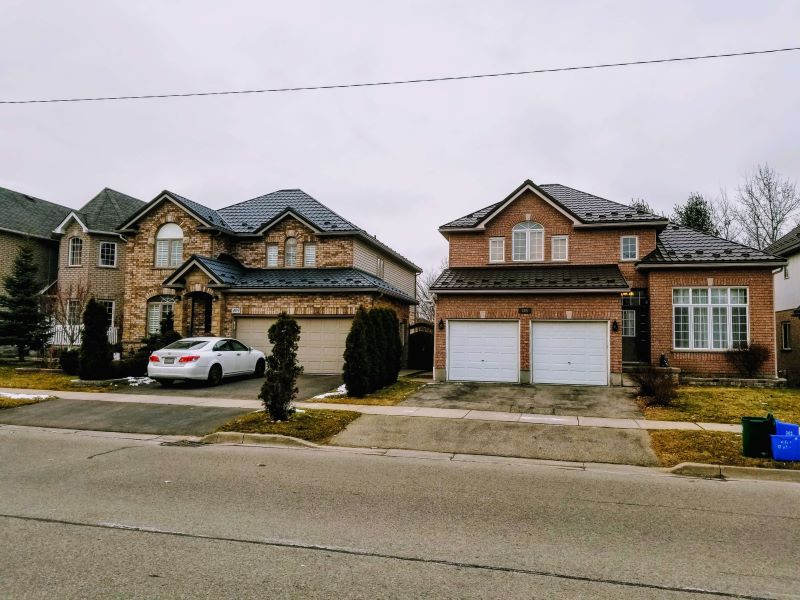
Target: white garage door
[
  {"x": 569, "y": 352},
  {"x": 483, "y": 351},
  {"x": 321, "y": 341}
]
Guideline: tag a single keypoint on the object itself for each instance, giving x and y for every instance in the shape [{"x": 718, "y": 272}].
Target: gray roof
[
  {"x": 786, "y": 245},
  {"x": 108, "y": 209},
  {"x": 234, "y": 275},
  {"x": 28, "y": 215},
  {"x": 681, "y": 245},
  {"x": 586, "y": 208},
  {"x": 538, "y": 278},
  {"x": 209, "y": 215}
]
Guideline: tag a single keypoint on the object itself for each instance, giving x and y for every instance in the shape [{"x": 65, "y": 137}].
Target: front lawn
[
  {"x": 673, "y": 447},
  {"x": 316, "y": 426},
  {"x": 728, "y": 405},
  {"x": 40, "y": 381},
  {"x": 388, "y": 396}
]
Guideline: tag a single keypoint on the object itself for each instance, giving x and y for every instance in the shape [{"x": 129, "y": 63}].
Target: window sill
[
  {"x": 74, "y": 266},
  {"x": 628, "y": 259},
  {"x": 107, "y": 267},
  {"x": 700, "y": 350}
]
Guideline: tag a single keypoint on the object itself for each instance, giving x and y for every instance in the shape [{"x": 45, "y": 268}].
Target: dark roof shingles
[
  {"x": 108, "y": 209},
  {"x": 678, "y": 244},
  {"x": 29, "y": 215},
  {"x": 531, "y": 278},
  {"x": 787, "y": 244}
]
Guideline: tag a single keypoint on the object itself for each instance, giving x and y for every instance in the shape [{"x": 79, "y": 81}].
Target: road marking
[{"x": 398, "y": 557}]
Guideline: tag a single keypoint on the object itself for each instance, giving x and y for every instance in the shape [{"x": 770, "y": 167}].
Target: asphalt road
[{"x": 101, "y": 517}]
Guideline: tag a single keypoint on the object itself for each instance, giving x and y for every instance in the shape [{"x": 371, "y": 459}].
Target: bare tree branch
[
  {"x": 64, "y": 307},
  {"x": 724, "y": 211},
  {"x": 425, "y": 308},
  {"x": 767, "y": 203}
]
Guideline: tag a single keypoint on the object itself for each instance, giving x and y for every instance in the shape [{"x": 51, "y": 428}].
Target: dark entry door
[
  {"x": 200, "y": 317},
  {"x": 636, "y": 327}
]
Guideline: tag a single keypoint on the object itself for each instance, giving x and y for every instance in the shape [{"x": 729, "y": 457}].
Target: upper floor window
[
  {"x": 290, "y": 252},
  {"x": 527, "y": 241},
  {"x": 108, "y": 254},
  {"x": 75, "y": 252},
  {"x": 786, "y": 272},
  {"x": 272, "y": 255},
  {"x": 497, "y": 249},
  {"x": 559, "y": 247},
  {"x": 309, "y": 254},
  {"x": 629, "y": 247},
  {"x": 380, "y": 267},
  {"x": 169, "y": 246}
]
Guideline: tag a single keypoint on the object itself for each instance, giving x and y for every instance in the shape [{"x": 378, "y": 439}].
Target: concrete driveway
[
  {"x": 239, "y": 388},
  {"x": 595, "y": 401}
]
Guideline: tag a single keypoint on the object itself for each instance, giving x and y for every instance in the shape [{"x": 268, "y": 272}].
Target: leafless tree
[
  {"x": 64, "y": 305},
  {"x": 425, "y": 308},
  {"x": 767, "y": 203},
  {"x": 723, "y": 210}
]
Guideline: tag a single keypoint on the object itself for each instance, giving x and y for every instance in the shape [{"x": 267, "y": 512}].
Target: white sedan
[{"x": 205, "y": 359}]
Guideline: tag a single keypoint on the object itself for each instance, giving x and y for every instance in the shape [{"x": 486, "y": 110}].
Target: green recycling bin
[{"x": 756, "y": 432}]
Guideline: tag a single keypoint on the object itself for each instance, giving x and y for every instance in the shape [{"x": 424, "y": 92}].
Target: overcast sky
[{"x": 398, "y": 161}]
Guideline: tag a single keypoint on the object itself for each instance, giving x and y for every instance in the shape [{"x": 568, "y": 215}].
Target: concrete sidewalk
[{"x": 396, "y": 411}]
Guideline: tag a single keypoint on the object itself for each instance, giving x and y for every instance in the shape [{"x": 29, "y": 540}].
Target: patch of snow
[
  {"x": 137, "y": 381},
  {"x": 340, "y": 391},
  {"x": 12, "y": 396},
  {"x": 299, "y": 410}
]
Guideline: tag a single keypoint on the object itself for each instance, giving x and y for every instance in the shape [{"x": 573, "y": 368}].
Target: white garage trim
[
  {"x": 468, "y": 363},
  {"x": 590, "y": 348}
]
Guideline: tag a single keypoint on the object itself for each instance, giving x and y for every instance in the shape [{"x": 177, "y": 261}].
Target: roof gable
[
  {"x": 207, "y": 216},
  {"x": 786, "y": 245}
]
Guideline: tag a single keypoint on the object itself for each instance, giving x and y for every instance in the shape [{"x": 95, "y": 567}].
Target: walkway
[{"x": 396, "y": 411}]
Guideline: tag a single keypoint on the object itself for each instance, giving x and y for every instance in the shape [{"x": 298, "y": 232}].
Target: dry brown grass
[
  {"x": 388, "y": 396},
  {"x": 9, "y": 378},
  {"x": 15, "y": 402},
  {"x": 710, "y": 447},
  {"x": 727, "y": 405},
  {"x": 313, "y": 425}
]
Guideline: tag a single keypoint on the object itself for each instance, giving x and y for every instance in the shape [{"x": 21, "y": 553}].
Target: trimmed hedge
[{"x": 372, "y": 353}]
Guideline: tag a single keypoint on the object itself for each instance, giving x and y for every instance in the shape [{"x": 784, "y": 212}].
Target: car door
[
  {"x": 225, "y": 356},
  {"x": 245, "y": 360}
]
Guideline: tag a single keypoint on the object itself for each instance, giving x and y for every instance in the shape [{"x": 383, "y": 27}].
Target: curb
[
  {"x": 258, "y": 439},
  {"x": 731, "y": 472}
]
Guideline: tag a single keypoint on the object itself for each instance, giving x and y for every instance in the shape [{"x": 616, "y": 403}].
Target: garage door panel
[
  {"x": 570, "y": 352},
  {"x": 321, "y": 346},
  {"x": 483, "y": 351}
]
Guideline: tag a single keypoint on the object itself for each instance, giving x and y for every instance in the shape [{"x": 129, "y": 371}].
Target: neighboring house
[
  {"x": 25, "y": 219},
  {"x": 787, "y": 305},
  {"x": 231, "y": 271},
  {"x": 92, "y": 259},
  {"x": 554, "y": 285}
]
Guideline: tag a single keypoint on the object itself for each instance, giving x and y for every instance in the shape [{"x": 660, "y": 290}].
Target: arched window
[
  {"x": 527, "y": 241},
  {"x": 159, "y": 308},
  {"x": 169, "y": 246},
  {"x": 75, "y": 252},
  {"x": 290, "y": 253}
]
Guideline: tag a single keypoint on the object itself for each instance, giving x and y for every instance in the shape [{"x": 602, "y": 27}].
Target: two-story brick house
[
  {"x": 91, "y": 258},
  {"x": 787, "y": 305},
  {"x": 232, "y": 271},
  {"x": 555, "y": 285}
]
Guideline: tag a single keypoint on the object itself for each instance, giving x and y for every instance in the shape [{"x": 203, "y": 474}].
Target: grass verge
[
  {"x": 727, "y": 405},
  {"x": 316, "y": 426},
  {"x": 709, "y": 447},
  {"x": 388, "y": 396},
  {"x": 42, "y": 381}
]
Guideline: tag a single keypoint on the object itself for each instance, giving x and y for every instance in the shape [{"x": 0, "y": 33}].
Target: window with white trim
[
  {"x": 290, "y": 253},
  {"x": 309, "y": 254},
  {"x": 706, "y": 318},
  {"x": 380, "y": 268},
  {"x": 786, "y": 335},
  {"x": 169, "y": 246},
  {"x": 157, "y": 312},
  {"x": 559, "y": 247},
  {"x": 527, "y": 242},
  {"x": 75, "y": 252},
  {"x": 629, "y": 247},
  {"x": 74, "y": 312},
  {"x": 497, "y": 249},
  {"x": 628, "y": 323},
  {"x": 272, "y": 255},
  {"x": 108, "y": 254},
  {"x": 109, "y": 306}
]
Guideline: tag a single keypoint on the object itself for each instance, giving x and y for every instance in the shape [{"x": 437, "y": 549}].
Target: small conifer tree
[
  {"x": 380, "y": 350},
  {"x": 95, "y": 353},
  {"x": 22, "y": 322},
  {"x": 395, "y": 344},
  {"x": 357, "y": 372},
  {"x": 280, "y": 378}
]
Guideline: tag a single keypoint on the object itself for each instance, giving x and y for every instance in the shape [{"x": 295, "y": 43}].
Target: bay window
[{"x": 706, "y": 318}]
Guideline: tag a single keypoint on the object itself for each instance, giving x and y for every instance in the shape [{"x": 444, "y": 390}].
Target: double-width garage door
[
  {"x": 483, "y": 351},
  {"x": 569, "y": 352},
  {"x": 321, "y": 345}
]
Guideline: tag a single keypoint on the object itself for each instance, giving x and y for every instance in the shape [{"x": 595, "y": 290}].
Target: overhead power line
[{"x": 339, "y": 86}]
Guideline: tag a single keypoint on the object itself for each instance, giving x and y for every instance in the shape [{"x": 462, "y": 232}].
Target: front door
[
  {"x": 636, "y": 327},
  {"x": 200, "y": 315}
]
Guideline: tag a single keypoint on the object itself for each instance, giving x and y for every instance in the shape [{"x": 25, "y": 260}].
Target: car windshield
[{"x": 186, "y": 345}]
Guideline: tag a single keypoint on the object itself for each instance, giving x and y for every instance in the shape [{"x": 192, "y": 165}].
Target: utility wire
[{"x": 403, "y": 81}]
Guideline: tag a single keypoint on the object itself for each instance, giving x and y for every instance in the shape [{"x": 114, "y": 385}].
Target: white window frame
[
  {"x": 380, "y": 267},
  {"x": 493, "y": 242},
  {"x": 168, "y": 250},
  {"x": 709, "y": 308},
  {"x": 786, "y": 336},
  {"x": 100, "y": 255},
  {"x": 309, "y": 258},
  {"x": 272, "y": 255},
  {"x": 113, "y": 304},
  {"x": 74, "y": 312},
  {"x": 526, "y": 229},
  {"x": 629, "y": 316},
  {"x": 622, "y": 239},
  {"x": 75, "y": 250},
  {"x": 290, "y": 264},
  {"x": 553, "y": 240},
  {"x": 157, "y": 329}
]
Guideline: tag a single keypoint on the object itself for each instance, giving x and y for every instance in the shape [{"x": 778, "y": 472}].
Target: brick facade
[
  {"x": 45, "y": 256},
  {"x": 788, "y": 358}
]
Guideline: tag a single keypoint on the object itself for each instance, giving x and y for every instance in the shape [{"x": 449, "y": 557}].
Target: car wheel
[
  {"x": 214, "y": 375},
  {"x": 260, "y": 368},
  {"x": 165, "y": 382}
]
